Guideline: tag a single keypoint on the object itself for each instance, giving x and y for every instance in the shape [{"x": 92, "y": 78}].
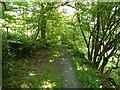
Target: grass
[
  {"x": 87, "y": 76},
  {"x": 49, "y": 77},
  {"x": 22, "y": 74}
]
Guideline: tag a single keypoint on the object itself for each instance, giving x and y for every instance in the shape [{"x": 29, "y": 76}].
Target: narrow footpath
[{"x": 68, "y": 73}]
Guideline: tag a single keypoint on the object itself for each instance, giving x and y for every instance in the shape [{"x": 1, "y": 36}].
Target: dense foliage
[{"x": 91, "y": 35}]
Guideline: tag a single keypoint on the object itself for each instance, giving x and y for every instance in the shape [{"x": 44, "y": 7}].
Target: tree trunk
[
  {"x": 43, "y": 27},
  {"x": 105, "y": 61},
  {"x": 38, "y": 30},
  {"x": 43, "y": 22},
  {"x": 7, "y": 33}
]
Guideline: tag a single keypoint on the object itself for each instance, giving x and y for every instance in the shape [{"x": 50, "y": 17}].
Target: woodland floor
[
  {"x": 59, "y": 64},
  {"x": 51, "y": 68}
]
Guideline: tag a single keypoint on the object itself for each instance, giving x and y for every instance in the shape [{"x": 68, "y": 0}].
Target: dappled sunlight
[
  {"x": 81, "y": 67},
  {"x": 48, "y": 84},
  {"x": 71, "y": 68},
  {"x": 86, "y": 69},
  {"x": 100, "y": 86},
  {"x": 56, "y": 54},
  {"x": 51, "y": 60},
  {"x": 78, "y": 67},
  {"x": 37, "y": 84},
  {"x": 24, "y": 85},
  {"x": 31, "y": 74},
  {"x": 73, "y": 58},
  {"x": 112, "y": 62},
  {"x": 63, "y": 59}
]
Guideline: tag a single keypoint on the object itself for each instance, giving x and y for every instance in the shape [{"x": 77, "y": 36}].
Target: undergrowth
[
  {"x": 87, "y": 76},
  {"x": 21, "y": 74}
]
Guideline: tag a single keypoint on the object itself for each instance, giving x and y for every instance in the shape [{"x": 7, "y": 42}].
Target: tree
[
  {"x": 103, "y": 40},
  {"x": 44, "y": 14}
]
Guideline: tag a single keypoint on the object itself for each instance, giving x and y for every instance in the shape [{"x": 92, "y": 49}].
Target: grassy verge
[
  {"x": 46, "y": 74},
  {"x": 87, "y": 76}
]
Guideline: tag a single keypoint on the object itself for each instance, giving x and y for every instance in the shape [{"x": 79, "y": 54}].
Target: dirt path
[{"x": 68, "y": 73}]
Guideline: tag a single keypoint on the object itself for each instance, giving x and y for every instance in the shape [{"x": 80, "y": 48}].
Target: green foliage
[
  {"x": 115, "y": 72},
  {"x": 22, "y": 25},
  {"x": 115, "y": 75},
  {"x": 87, "y": 76}
]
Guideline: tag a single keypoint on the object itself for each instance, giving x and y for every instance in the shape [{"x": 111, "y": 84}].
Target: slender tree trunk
[
  {"x": 105, "y": 61},
  {"x": 97, "y": 39},
  {"x": 43, "y": 22},
  {"x": 38, "y": 30},
  {"x": 7, "y": 33},
  {"x": 98, "y": 62},
  {"x": 43, "y": 27}
]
